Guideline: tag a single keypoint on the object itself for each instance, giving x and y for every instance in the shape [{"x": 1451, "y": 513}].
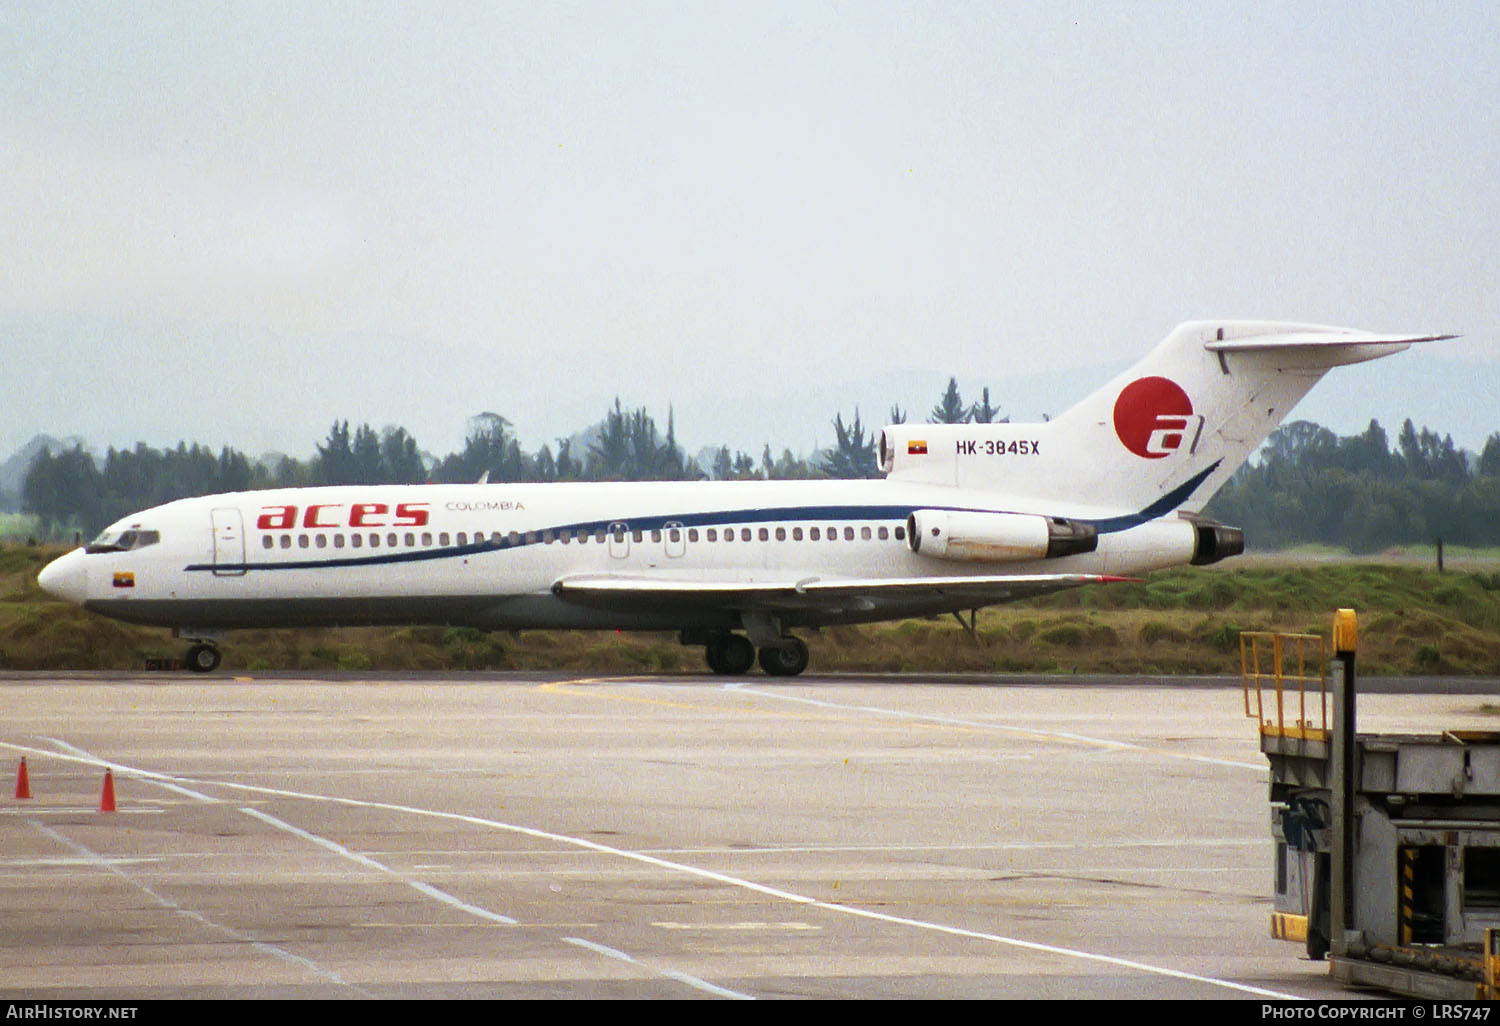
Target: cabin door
[
  {"x": 229, "y": 543},
  {"x": 619, "y": 540}
]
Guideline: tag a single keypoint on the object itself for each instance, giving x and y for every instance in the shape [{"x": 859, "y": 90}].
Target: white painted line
[
  {"x": 705, "y": 874},
  {"x": 94, "y": 861},
  {"x": 111, "y": 865},
  {"x": 736, "y": 927},
  {"x": 953, "y": 721},
  {"x": 691, "y": 981},
  {"x": 75, "y": 810},
  {"x": 369, "y": 863},
  {"x": 74, "y": 750}
]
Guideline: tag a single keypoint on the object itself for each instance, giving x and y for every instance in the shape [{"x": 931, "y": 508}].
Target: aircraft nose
[{"x": 66, "y": 577}]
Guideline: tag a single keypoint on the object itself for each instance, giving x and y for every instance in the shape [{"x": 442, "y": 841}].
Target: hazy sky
[{"x": 234, "y": 223}]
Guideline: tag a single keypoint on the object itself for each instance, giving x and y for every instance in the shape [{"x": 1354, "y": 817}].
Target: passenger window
[
  {"x": 411, "y": 539},
  {"x": 692, "y": 534},
  {"x": 392, "y": 541},
  {"x": 302, "y": 541},
  {"x": 286, "y": 541},
  {"x": 848, "y": 534},
  {"x": 814, "y": 534},
  {"x": 514, "y": 537},
  {"x": 548, "y": 537},
  {"x": 883, "y": 533},
  {"x": 864, "y": 534},
  {"x": 463, "y": 537},
  {"x": 356, "y": 540},
  {"x": 443, "y": 538},
  {"x": 674, "y": 534},
  {"x": 338, "y": 541},
  {"x": 636, "y": 536},
  {"x": 374, "y": 540},
  {"x": 656, "y": 536},
  {"x": 900, "y": 534},
  {"x": 599, "y": 537},
  {"x": 781, "y": 534},
  {"x": 266, "y": 542},
  {"x": 322, "y": 541},
  {"x": 744, "y": 534},
  {"x": 729, "y": 534},
  {"x": 566, "y": 537},
  {"x": 712, "y": 534},
  {"x": 427, "y": 538},
  {"x": 796, "y": 534}
]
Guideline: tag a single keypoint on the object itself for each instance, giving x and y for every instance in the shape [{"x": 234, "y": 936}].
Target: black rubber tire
[
  {"x": 787, "y": 660},
  {"x": 729, "y": 655},
  {"x": 202, "y": 659}
]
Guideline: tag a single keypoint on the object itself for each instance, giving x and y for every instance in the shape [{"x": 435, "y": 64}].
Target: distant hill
[{"x": 13, "y": 470}]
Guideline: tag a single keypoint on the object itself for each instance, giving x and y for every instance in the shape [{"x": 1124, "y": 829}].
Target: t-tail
[{"x": 1161, "y": 437}]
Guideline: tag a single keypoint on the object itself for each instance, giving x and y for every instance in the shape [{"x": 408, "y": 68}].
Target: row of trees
[
  {"x": 69, "y": 492},
  {"x": 1308, "y": 484}
]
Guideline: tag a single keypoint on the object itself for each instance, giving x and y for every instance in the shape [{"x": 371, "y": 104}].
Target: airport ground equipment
[{"x": 1387, "y": 845}]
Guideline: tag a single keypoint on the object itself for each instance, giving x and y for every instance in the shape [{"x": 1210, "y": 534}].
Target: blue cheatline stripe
[
  {"x": 1160, "y": 508},
  {"x": 712, "y": 518}
]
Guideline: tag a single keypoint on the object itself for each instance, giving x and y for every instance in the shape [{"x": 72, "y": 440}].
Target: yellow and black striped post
[
  {"x": 1342, "y": 782},
  {"x": 1406, "y": 893}
]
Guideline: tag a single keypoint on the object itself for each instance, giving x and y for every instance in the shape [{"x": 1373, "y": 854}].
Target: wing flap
[{"x": 809, "y": 593}]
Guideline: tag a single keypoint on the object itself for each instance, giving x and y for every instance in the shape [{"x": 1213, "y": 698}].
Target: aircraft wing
[{"x": 810, "y": 594}]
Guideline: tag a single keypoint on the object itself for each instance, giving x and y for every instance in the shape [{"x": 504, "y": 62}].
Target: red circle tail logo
[{"x": 1154, "y": 418}]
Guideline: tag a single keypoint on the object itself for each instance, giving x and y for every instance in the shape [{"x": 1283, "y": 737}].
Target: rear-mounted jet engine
[{"x": 996, "y": 537}]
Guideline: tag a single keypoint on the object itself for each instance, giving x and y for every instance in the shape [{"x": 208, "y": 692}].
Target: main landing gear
[
  {"x": 733, "y": 654},
  {"x": 202, "y": 658}
]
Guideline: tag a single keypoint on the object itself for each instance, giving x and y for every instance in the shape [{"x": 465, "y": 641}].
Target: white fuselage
[
  {"x": 1114, "y": 487},
  {"x": 490, "y": 555}
]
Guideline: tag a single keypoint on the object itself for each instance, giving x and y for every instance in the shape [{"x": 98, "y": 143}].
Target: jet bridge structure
[{"x": 1387, "y": 845}]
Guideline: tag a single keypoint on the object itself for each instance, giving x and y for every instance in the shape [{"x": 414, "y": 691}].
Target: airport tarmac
[{"x": 532, "y": 836}]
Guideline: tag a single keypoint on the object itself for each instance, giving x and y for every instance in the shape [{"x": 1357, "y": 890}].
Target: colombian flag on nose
[{"x": 916, "y": 447}]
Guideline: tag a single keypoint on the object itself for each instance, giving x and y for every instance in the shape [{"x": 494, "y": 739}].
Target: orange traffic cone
[
  {"x": 107, "y": 799},
  {"x": 23, "y": 782}
]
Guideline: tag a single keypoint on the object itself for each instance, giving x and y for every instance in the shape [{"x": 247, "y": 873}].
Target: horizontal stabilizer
[{"x": 1316, "y": 338}]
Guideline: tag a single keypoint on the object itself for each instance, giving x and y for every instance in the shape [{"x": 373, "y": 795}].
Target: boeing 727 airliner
[{"x": 968, "y": 515}]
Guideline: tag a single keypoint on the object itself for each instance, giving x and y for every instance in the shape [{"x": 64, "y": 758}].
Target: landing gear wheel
[
  {"x": 202, "y": 658},
  {"x": 788, "y": 660},
  {"x": 729, "y": 654}
]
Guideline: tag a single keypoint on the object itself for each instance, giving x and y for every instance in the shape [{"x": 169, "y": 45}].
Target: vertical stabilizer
[{"x": 1163, "y": 435}]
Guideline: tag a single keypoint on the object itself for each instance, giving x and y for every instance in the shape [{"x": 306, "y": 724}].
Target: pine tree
[{"x": 950, "y": 409}]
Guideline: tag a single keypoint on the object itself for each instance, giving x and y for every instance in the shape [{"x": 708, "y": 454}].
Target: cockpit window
[{"x": 122, "y": 541}]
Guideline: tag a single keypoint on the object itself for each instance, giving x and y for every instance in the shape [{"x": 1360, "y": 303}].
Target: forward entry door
[{"x": 229, "y": 543}]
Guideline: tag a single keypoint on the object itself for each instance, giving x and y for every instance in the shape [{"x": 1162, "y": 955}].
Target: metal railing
[{"x": 1276, "y": 662}]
